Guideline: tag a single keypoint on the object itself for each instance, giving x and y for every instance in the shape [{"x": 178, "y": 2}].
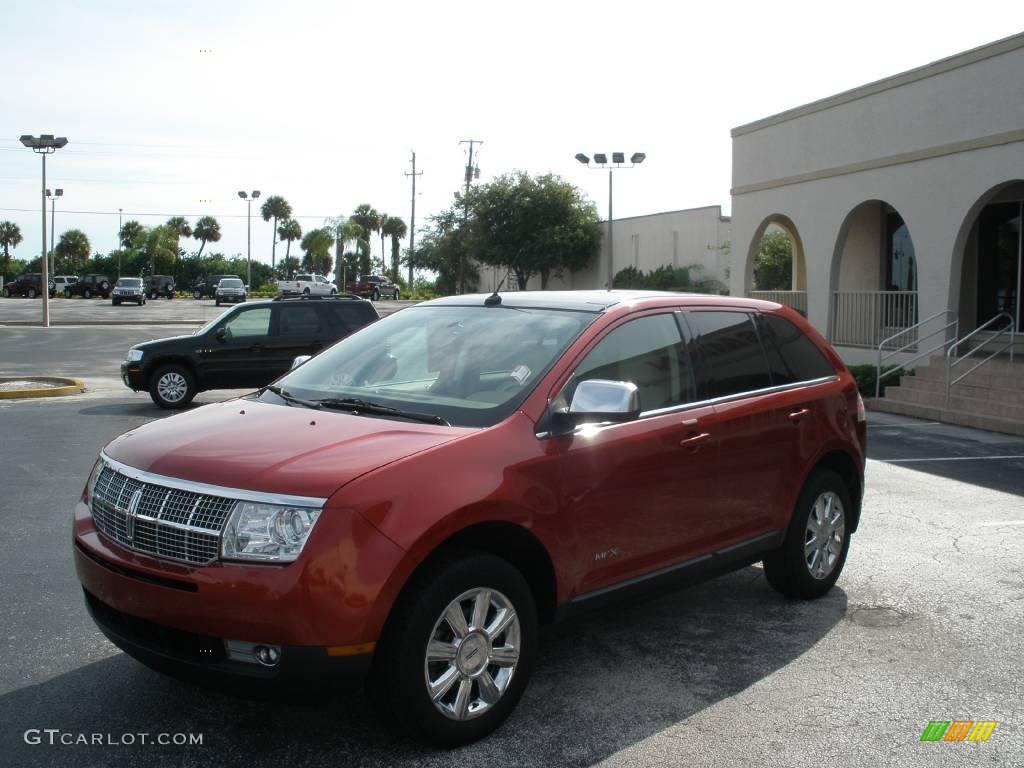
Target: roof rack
[{"x": 304, "y": 297}]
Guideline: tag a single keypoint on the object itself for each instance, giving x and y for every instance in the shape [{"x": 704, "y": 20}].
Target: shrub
[{"x": 865, "y": 377}]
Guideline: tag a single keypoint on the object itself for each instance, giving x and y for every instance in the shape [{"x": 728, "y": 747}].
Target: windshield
[
  {"x": 472, "y": 366},
  {"x": 231, "y": 283},
  {"x": 129, "y": 282}
]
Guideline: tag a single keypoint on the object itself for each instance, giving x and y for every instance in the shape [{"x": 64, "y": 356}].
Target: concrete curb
[{"x": 70, "y": 387}]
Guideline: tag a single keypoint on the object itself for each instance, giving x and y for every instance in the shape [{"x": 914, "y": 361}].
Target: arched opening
[
  {"x": 874, "y": 277},
  {"x": 776, "y": 268},
  {"x": 988, "y": 258}
]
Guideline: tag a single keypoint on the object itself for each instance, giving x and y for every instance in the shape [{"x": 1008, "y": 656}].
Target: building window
[
  {"x": 999, "y": 256},
  {"x": 900, "y": 264}
]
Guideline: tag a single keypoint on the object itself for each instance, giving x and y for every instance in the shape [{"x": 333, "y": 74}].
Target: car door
[
  {"x": 640, "y": 492},
  {"x": 300, "y": 330},
  {"x": 234, "y": 353},
  {"x": 758, "y": 424}
]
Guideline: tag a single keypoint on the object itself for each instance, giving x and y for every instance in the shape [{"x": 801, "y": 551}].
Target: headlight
[
  {"x": 134, "y": 355},
  {"x": 267, "y": 532},
  {"x": 91, "y": 482}
]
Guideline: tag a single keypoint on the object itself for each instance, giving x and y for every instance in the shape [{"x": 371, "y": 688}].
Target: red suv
[{"x": 411, "y": 505}]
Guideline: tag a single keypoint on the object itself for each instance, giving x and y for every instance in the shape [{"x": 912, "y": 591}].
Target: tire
[
  {"x": 399, "y": 678},
  {"x": 172, "y": 386},
  {"x": 305, "y": 291},
  {"x": 7, "y": 293},
  {"x": 86, "y": 294},
  {"x": 197, "y": 294},
  {"x": 334, "y": 292},
  {"x": 104, "y": 286},
  {"x": 67, "y": 293},
  {"x": 397, "y": 296},
  {"x": 141, "y": 302},
  {"x": 789, "y": 569},
  {"x": 153, "y": 294},
  {"x": 217, "y": 302},
  {"x": 375, "y": 296},
  {"x": 115, "y": 302},
  {"x": 31, "y": 293}
]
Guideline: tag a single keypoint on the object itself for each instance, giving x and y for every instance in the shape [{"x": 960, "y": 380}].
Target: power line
[{"x": 186, "y": 215}]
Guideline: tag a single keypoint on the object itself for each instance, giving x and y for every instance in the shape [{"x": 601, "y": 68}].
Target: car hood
[
  {"x": 273, "y": 448},
  {"x": 155, "y": 343}
]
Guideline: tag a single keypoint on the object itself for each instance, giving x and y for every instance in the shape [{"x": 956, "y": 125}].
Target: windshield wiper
[
  {"x": 355, "y": 405},
  {"x": 289, "y": 398}
]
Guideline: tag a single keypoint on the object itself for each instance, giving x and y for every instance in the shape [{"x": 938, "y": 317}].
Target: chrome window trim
[
  {"x": 702, "y": 403},
  {"x": 236, "y": 494}
]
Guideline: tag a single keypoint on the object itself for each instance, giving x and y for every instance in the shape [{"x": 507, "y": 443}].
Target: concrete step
[
  {"x": 931, "y": 399},
  {"x": 965, "y": 388},
  {"x": 977, "y": 421},
  {"x": 1000, "y": 378}
]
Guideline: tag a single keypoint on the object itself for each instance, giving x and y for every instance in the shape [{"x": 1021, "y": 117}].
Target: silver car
[
  {"x": 128, "y": 289},
  {"x": 230, "y": 290}
]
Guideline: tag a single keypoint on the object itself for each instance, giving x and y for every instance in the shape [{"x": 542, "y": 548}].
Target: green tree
[
  {"x": 132, "y": 234},
  {"x": 181, "y": 228},
  {"x": 73, "y": 246},
  {"x": 277, "y": 208},
  {"x": 207, "y": 230},
  {"x": 773, "y": 265},
  {"x": 161, "y": 249},
  {"x": 395, "y": 228},
  {"x": 289, "y": 231},
  {"x": 439, "y": 248},
  {"x": 533, "y": 225},
  {"x": 317, "y": 245},
  {"x": 368, "y": 218},
  {"x": 10, "y": 237}
]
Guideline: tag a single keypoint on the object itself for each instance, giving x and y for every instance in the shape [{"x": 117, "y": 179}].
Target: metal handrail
[
  {"x": 954, "y": 324},
  {"x": 1010, "y": 329}
]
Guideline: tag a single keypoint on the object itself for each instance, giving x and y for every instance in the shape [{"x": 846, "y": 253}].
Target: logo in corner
[{"x": 958, "y": 730}]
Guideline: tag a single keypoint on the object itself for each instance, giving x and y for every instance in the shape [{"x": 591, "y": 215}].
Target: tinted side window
[
  {"x": 352, "y": 316},
  {"x": 299, "y": 320},
  {"x": 647, "y": 351},
  {"x": 731, "y": 358},
  {"x": 791, "y": 355}
]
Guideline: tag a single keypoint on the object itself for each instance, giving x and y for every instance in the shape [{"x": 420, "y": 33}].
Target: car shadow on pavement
[{"x": 600, "y": 685}]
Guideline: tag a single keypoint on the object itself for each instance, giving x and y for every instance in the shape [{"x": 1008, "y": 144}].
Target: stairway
[{"x": 991, "y": 398}]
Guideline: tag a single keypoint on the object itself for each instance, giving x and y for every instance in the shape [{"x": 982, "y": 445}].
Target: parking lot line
[{"x": 954, "y": 458}]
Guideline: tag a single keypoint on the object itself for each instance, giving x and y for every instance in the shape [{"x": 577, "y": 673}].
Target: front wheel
[
  {"x": 7, "y": 293},
  {"x": 31, "y": 293},
  {"x": 197, "y": 294},
  {"x": 812, "y": 556},
  {"x": 86, "y": 294},
  {"x": 398, "y": 294},
  {"x": 458, "y": 649},
  {"x": 67, "y": 293},
  {"x": 153, "y": 295},
  {"x": 172, "y": 386},
  {"x": 375, "y": 296},
  {"x": 114, "y": 302}
]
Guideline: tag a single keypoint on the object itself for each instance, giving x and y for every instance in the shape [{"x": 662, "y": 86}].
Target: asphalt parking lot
[{"x": 923, "y": 625}]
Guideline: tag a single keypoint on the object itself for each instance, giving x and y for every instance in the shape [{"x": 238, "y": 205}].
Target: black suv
[
  {"x": 30, "y": 285},
  {"x": 89, "y": 286},
  {"x": 159, "y": 285},
  {"x": 207, "y": 287},
  {"x": 247, "y": 347}
]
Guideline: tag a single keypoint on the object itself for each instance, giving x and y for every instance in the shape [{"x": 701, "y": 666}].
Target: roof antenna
[{"x": 494, "y": 299}]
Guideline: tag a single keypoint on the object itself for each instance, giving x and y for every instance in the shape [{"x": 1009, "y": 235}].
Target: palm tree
[
  {"x": 207, "y": 230},
  {"x": 73, "y": 245},
  {"x": 132, "y": 234},
  {"x": 367, "y": 217},
  {"x": 289, "y": 231},
  {"x": 10, "y": 236},
  {"x": 275, "y": 207},
  {"x": 162, "y": 243},
  {"x": 317, "y": 245},
  {"x": 394, "y": 228},
  {"x": 181, "y": 228}
]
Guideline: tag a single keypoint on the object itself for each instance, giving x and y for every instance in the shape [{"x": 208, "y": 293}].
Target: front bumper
[
  {"x": 131, "y": 375},
  {"x": 230, "y": 297}
]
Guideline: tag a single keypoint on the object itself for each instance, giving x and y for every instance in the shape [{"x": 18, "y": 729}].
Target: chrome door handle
[
  {"x": 689, "y": 441},
  {"x": 795, "y": 416}
]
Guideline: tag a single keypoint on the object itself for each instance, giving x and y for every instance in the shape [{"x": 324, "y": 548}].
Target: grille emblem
[{"x": 132, "y": 513}]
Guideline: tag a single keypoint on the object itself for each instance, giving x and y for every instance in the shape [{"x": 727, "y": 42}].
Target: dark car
[
  {"x": 30, "y": 284},
  {"x": 207, "y": 287},
  {"x": 89, "y": 286},
  {"x": 128, "y": 289},
  {"x": 159, "y": 285},
  {"x": 373, "y": 287},
  {"x": 412, "y": 505},
  {"x": 246, "y": 347},
  {"x": 230, "y": 290}
]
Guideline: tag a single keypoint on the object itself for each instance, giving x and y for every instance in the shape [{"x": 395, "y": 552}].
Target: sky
[{"x": 171, "y": 108}]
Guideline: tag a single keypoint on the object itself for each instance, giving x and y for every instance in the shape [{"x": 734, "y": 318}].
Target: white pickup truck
[{"x": 308, "y": 285}]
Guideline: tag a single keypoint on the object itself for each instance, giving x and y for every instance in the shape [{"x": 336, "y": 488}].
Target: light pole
[
  {"x": 53, "y": 226},
  {"x": 248, "y": 239},
  {"x": 44, "y": 144},
  {"x": 599, "y": 163},
  {"x": 120, "y": 242}
]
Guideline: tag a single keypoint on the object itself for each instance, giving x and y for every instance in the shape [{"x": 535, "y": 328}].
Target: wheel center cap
[{"x": 472, "y": 655}]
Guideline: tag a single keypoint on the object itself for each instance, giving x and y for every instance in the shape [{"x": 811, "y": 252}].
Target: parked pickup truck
[
  {"x": 373, "y": 287},
  {"x": 307, "y": 285}
]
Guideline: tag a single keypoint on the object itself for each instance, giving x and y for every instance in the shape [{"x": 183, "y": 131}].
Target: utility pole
[
  {"x": 412, "y": 222},
  {"x": 120, "y": 242},
  {"x": 471, "y": 170}
]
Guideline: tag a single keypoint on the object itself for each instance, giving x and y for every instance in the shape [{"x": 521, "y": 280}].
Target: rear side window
[
  {"x": 792, "y": 357},
  {"x": 730, "y": 354},
  {"x": 352, "y": 316},
  {"x": 298, "y": 320}
]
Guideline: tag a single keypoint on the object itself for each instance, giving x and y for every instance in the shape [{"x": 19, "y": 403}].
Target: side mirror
[
  {"x": 599, "y": 400},
  {"x": 221, "y": 334},
  {"x": 299, "y": 361}
]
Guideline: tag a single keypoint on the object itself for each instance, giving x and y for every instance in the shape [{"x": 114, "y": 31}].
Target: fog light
[{"x": 268, "y": 655}]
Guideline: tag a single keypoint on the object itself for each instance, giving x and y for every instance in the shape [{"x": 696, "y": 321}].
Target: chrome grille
[{"x": 166, "y": 522}]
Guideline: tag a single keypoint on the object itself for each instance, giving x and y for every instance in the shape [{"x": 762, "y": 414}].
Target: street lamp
[
  {"x": 120, "y": 241},
  {"x": 599, "y": 163},
  {"x": 53, "y": 225},
  {"x": 44, "y": 144},
  {"x": 248, "y": 240}
]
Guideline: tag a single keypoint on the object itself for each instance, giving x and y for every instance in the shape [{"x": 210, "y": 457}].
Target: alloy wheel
[
  {"x": 823, "y": 537},
  {"x": 172, "y": 387}
]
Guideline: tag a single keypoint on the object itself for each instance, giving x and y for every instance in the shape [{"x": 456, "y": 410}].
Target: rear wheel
[
  {"x": 154, "y": 295},
  {"x": 67, "y": 293},
  {"x": 197, "y": 294},
  {"x": 458, "y": 649},
  {"x": 375, "y": 296},
  {"x": 813, "y": 554},
  {"x": 86, "y": 294},
  {"x": 7, "y": 293},
  {"x": 114, "y": 302},
  {"x": 398, "y": 294},
  {"x": 172, "y": 386},
  {"x": 31, "y": 293}
]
